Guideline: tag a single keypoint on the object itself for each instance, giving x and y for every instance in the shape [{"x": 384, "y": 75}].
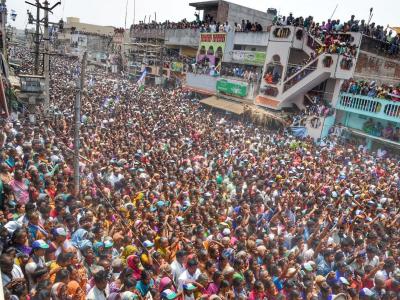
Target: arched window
[
  {"x": 210, "y": 50},
  {"x": 219, "y": 52},
  {"x": 273, "y": 70},
  {"x": 281, "y": 32}
]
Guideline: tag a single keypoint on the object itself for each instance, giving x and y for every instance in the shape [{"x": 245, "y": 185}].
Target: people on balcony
[
  {"x": 371, "y": 89},
  {"x": 247, "y": 26},
  {"x": 389, "y": 132}
]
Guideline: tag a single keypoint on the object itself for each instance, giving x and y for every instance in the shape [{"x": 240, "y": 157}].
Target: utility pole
[
  {"x": 3, "y": 26},
  {"x": 80, "y": 85},
  {"x": 37, "y": 42},
  {"x": 46, "y": 62},
  {"x": 161, "y": 65}
]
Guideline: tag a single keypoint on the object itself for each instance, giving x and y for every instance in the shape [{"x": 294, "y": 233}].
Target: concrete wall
[
  {"x": 354, "y": 121},
  {"x": 202, "y": 82},
  {"x": 280, "y": 49},
  {"x": 296, "y": 56},
  {"x": 223, "y": 12},
  {"x": 213, "y": 12},
  {"x": 182, "y": 37},
  {"x": 188, "y": 51},
  {"x": 251, "y": 38},
  {"x": 374, "y": 67},
  {"x": 237, "y": 13},
  {"x": 250, "y": 48}
]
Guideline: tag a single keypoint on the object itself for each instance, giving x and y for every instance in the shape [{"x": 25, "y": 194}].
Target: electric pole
[
  {"x": 46, "y": 38},
  {"x": 46, "y": 62},
  {"x": 80, "y": 85},
  {"x": 37, "y": 41},
  {"x": 3, "y": 26}
]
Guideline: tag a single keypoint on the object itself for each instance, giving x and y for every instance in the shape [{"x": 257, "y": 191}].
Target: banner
[
  {"x": 232, "y": 88},
  {"x": 177, "y": 66},
  {"x": 211, "y": 46},
  {"x": 299, "y": 131},
  {"x": 249, "y": 57}
]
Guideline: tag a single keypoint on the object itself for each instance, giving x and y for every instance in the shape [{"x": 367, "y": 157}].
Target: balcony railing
[
  {"x": 301, "y": 74},
  {"x": 372, "y": 107}
]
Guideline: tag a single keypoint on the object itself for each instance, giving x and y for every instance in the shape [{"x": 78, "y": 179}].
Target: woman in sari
[
  {"x": 19, "y": 241},
  {"x": 59, "y": 291},
  {"x": 35, "y": 229},
  {"x": 75, "y": 291},
  {"x": 133, "y": 262},
  {"x": 128, "y": 251},
  {"x": 78, "y": 237}
]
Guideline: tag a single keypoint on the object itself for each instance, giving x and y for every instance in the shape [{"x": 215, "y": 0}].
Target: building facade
[{"x": 281, "y": 68}]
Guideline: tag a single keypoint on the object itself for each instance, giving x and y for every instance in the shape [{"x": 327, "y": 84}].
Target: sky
[{"x": 112, "y": 12}]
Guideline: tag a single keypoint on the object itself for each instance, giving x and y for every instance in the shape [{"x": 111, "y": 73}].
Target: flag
[
  {"x": 91, "y": 81},
  {"x": 140, "y": 82}
]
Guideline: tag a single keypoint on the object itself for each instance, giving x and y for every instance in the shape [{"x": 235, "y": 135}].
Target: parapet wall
[{"x": 379, "y": 68}]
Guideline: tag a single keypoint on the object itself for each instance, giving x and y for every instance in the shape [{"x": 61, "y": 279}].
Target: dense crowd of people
[
  {"x": 179, "y": 202},
  {"x": 212, "y": 26},
  {"x": 372, "y": 89},
  {"x": 208, "y": 24}
]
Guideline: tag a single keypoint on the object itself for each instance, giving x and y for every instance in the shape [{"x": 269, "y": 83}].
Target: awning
[
  {"x": 204, "y": 5},
  {"x": 397, "y": 29},
  {"x": 233, "y": 107}
]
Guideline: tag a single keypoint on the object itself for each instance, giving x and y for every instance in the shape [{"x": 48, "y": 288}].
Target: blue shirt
[
  {"x": 144, "y": 288},
  {"x": 278, "y": 283},
  {"x": 324, "y": 268}
]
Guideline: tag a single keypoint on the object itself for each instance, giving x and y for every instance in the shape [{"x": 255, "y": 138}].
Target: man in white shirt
[
  {"x": 227, "y": 27},
  {"x": 388, "y": 269},
  {"x": 101, "y": 290},
  {"x": 371, "y": 258},
  {"x": 213, "y": 28},
  {"x": 189, "y": 275},
  {"x": 177, "y": 266},
  {"x": 9, "y": 271}
]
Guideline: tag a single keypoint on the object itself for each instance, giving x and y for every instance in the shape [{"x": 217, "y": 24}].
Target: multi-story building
[
  {"x": 77, "y": 37},
  {"x": 174, "y": 46},
  {"x": 286, "y": 68}
]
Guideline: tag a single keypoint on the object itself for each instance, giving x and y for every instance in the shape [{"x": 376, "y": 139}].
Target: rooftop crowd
[
  {"x": 179, "y": 202},
  {"x": 334, "y": 29},
  {"x": 208, "y": 24}
]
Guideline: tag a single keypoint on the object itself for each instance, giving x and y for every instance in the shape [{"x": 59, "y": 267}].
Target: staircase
[
  {"x": 311, "y": 44},
  {"x": 309, "y": 76}
]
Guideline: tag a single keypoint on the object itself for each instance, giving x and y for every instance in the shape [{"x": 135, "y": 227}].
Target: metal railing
[
  {"x": 369, "y": 106},
  {"x": 301, "y": 74}
]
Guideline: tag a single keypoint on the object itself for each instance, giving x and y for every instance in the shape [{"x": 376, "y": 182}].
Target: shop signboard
[
  {"x": 255, "y": 58},
  {"x": 234, "y": 88},
  {"x": 212, "y": 46}
]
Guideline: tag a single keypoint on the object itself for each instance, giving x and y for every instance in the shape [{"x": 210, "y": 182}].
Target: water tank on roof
[{"x": 272, "y": 11}]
